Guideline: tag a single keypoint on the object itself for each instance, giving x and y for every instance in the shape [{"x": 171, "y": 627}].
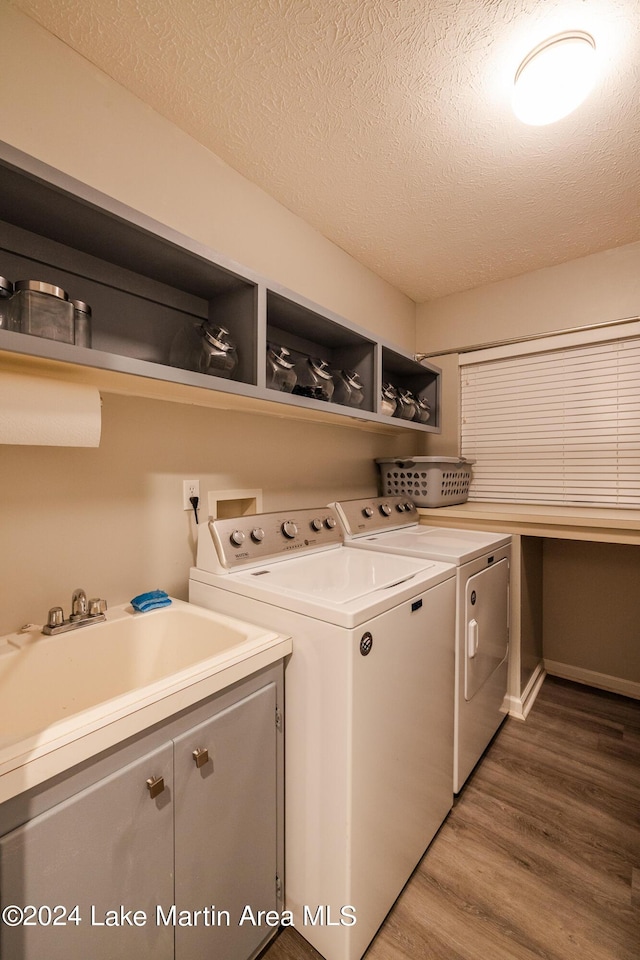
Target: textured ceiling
[{"x": 386, "y": 124}]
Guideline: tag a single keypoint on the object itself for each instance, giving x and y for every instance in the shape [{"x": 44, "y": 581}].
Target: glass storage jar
[
  {"x": 280, "y": 373},
  {"x": 205, "y": 348},
  {"x": 406, "y": 407},
  {"x": 388, "y": 400},
  {"x": 81, "y": 323},
  {"x": 43, "y": 310},
  {"x": 423, "y": 410},
  {"x": 348, "y": 388},
  {"x": 314, "y": 379},
  {"x": 6, "y": 289}
]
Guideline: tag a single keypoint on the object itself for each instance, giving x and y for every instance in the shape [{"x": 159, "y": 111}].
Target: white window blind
[{"x": 555, "y": 427}]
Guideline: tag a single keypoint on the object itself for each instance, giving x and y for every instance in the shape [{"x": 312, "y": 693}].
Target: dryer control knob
[
  {"x": 367, "y": 512},
  {"x": 316, "y": 524},
  {"x": 289, "y": 529},
  {"x": 401, "y": 507},
  {"x": 330, "y": 523},
  {"x": 257, "y": 534},
  {"x": 385, "y": 509},
  {"x": 409, "y": 506},
  {"x": 237, "y": 538}
]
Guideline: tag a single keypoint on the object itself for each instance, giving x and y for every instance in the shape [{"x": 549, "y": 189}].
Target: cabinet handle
[
  {"x": 201, "y": 756},
  {"x": 155, "y": 786}
]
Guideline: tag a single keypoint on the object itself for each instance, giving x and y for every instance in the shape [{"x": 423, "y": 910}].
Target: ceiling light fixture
[{"x": 554, "y": 78}]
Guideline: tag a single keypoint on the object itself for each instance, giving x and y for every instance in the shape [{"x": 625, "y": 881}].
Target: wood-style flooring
[{"x": 540, "y": 857}]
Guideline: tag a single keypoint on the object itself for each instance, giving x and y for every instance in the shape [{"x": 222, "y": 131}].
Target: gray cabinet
[
  {"x": 145, "y": 282},
  {"x": 108, "y": 847},
  {"x": 114, "y": 872},
  {"x": 225, "y": 827}
]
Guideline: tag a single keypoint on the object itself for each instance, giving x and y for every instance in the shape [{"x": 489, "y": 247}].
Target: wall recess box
[{"x": 234, "y": 503}]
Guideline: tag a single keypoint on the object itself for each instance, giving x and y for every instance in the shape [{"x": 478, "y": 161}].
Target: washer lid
[
  {"x": 438, "y": 543},
  {"x": 341, "y": 577},
  {"x": 344, "y": 587}
]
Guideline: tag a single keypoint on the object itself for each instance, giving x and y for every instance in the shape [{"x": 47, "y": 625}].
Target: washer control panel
[
  {"x": 362, "y": 517},
  {"x": 271, "y": 536}
]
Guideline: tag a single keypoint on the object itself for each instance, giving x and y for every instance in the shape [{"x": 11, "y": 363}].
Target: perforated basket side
[
  {"x": 428, "y": 485},
  {"x": 454, "y": 484}
]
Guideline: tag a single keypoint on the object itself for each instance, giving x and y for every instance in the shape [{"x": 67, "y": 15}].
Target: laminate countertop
[{"x": 603, "y": 524}]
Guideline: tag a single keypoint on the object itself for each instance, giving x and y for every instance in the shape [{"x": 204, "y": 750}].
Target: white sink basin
[{"x": 106, "y": 681}]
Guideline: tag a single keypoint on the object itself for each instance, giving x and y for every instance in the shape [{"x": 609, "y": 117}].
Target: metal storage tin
[
  {"x": 43, "y": 310},
  {"x": 81, "y": 323},
  {"x": 6, "y": 289}
]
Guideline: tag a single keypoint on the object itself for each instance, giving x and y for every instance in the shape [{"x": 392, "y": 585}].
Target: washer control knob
[
  {"x": 289, "y": 529},
  {"x": 401, "y": 507},
  {"x": 330, "y": 523},
  {"x": 257, "y": 534},
  {"x": 409, "y": 506},
  {"x": 367, "y": 512},
  {"x": 316, "y": 524},
  {"x": 237, "y": 538},
  {"x": 385, "y": 509}
]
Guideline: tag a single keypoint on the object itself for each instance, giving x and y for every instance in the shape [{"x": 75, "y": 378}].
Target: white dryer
[
  {"x": 482, "y": 559},
  {"x": 368, "y": 707}
]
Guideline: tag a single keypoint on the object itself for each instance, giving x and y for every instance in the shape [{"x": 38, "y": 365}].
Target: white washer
[
  {"x": 482, "y": 559},
  {"x": 369, "y": 707}
]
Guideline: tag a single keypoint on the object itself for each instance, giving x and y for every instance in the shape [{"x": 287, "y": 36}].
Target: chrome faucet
[
  {"x": 78, "y": 605},
  {"x": 83, "y": 612}
]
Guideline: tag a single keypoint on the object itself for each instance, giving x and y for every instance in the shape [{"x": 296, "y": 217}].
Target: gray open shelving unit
[{"x": 144, "y": 281}]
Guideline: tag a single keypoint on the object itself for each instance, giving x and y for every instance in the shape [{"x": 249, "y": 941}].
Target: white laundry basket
[{"x": 428, "y": 481}]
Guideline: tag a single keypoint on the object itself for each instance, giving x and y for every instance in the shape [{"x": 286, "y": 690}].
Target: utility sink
[{"x": 64, "y": 698}]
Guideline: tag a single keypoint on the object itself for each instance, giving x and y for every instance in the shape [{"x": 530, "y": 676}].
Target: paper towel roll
[{"x": 40, "y": 411}]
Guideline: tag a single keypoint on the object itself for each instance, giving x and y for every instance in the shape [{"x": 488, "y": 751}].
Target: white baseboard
[
  {"x": 627, "y": 688},
  {"x": 519, "y": 707}
]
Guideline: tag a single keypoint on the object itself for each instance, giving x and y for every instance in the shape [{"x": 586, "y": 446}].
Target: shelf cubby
[
  {"x": 144, "y": 282},
  {"x": 422, "y": 379},
  {"x": 307, "y": 333}
]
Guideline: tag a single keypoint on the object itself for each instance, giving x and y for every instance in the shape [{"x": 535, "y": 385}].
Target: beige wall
[
  {"x": 59, "y": 108},
  {"x": 588, "y": 611},
  {"x": 110, "y": 519},
  {"x": 592, "y": 607},
  {"x": 602, "y": 287},
  {"x": 446, "y": 443},
  {"x": 595, "y": 289}
]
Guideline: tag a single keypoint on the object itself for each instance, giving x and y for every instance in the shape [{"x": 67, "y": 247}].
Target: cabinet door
[
  {"x": 225, "y": 824},
  {"x": 109, "y": 848}
]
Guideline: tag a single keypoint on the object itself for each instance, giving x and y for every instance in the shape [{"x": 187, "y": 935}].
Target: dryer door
[{"x": 486, "y": 624}]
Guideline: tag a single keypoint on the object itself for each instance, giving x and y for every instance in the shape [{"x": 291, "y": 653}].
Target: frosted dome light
[{"x": 554, "y": 78}]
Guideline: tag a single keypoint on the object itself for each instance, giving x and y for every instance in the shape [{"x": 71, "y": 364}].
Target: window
[{"x": 555, "y": 426}]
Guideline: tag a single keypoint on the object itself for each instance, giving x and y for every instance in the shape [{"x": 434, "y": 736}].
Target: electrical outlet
[{"x": 190, "y": 488}]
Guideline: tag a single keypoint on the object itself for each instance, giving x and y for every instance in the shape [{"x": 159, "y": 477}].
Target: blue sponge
[{"x": 150, "y": 601}]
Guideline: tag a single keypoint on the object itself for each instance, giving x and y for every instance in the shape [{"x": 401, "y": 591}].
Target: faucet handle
[
  {"x": 97, "y": 606},
  {"x": 56, "y": 617}
]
